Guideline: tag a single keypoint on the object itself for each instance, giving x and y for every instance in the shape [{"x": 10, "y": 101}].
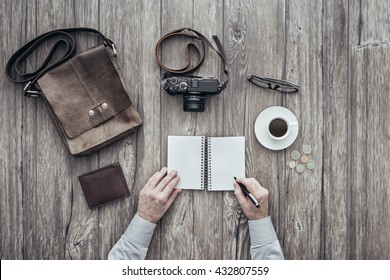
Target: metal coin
[
  {"x": 300, "y": 168},
  {"x": 306, "y": 149},
  {"x": 310, "y": 164},
  {"x": 295, "y": 155},
  {"x": 304, "y": 159},
  {"x": 291, "y": 164}
]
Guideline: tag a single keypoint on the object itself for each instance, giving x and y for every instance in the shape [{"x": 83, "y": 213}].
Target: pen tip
[{"x": 235, "y": 178}]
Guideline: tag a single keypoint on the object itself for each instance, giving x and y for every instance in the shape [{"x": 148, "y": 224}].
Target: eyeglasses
[{"x": 274, "y": 84}]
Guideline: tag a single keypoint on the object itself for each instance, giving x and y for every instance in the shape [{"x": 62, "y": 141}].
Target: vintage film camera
[{"x": 193, "y": 88}]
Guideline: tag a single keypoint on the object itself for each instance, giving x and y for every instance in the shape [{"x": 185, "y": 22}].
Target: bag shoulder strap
[{"x": 13, "y": 67}]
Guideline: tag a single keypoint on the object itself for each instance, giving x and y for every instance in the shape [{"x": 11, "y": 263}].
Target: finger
[
  {"x": 167, "y": 191},
  {"x": 239, "y": 195},
  {"x": 172, "y": 198},
  {"x": 156, "y": 178},
  {"x": 252, "y": 185},
  {"x": 258, "y": 191},
  {"x": 245, "y": 181},
  {"x": 149, "y": 182},
  {"x": 167, "y": 179}
]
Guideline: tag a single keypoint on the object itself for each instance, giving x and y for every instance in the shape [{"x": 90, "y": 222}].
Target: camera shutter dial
[
  {"x": 183, "y": 85},
  {"x": 173, "y": 81}
]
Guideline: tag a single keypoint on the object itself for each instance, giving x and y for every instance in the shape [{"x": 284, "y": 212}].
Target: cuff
[
  {"x": 262, "y": 231},
  {"x": 139, "y": 231}
]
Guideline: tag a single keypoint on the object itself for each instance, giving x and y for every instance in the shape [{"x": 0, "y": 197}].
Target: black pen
[{"x": 248, "y": 194}]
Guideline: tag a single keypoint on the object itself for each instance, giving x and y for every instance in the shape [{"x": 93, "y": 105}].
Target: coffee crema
[{"x": 278, "y": 128}]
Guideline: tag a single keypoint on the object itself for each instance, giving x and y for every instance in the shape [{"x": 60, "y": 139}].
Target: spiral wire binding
[
  {"x": 203, "y": 163},
  {"x": 208, "y": 164}
]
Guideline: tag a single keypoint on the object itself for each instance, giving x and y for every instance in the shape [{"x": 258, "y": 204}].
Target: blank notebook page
[
  {"x": 226, "y": 160},
  {"x": 185, "y": 155}
]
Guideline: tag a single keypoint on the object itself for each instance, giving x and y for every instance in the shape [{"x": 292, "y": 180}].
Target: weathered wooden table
[{"x": 337, "y": 51}]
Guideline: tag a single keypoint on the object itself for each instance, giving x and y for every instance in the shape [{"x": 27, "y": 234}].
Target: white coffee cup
[{"x": 279, "y": 128}]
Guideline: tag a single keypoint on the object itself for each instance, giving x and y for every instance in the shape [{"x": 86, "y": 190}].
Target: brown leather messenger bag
[{"x": 84, "y": 93}]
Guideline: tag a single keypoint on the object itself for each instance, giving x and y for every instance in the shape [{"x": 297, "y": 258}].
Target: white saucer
[{"x": 261, "y": 128}]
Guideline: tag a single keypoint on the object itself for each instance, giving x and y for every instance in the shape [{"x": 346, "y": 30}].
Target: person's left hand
[{"x": 157, "y": 195}]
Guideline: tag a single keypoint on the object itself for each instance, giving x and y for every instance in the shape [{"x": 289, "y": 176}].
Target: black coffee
[{"x": 278, "y": 128}]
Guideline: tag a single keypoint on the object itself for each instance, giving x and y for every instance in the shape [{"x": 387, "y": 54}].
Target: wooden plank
[
  {"x": 304, "y": 65},
  {"x": 334, "y": 239},
  {"x": 138, "y": 154},
  {"x": 177, "y": 236},
  {"x": 373, "y": 24},
  {"x": 368, "y": 39},
  {"x": 148, "y": 148},
  {"x": 51, "y": 210},
  {"x": 11, "y": 147},
  {"x": 29, "y": 136},
  {"x": 234, "y": 222},
  {"x": 358, "y": 146},
  {"x": 370, "y": 199},
  {"x": 207, "y": 226},
  {"x": 83, "y": 226},
  {"x": 144, "y": 32},
  {"x": 192, "y": 227},
  {"x": 378, "y": 152},
  {"x": 318, "y": 214},
  {"x": 254, "y": 40},
  {"x": 123, "y": 27}
]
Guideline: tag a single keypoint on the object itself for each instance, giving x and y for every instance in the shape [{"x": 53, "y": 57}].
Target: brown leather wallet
[{"x": 104, "y": 185}]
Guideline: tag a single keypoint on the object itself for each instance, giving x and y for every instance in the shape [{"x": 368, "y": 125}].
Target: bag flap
[{"x": 85, "y": 91}]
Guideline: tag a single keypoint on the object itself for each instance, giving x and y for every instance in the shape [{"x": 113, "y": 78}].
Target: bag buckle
[
  {"x": 109, "y": 43},
  {"x": 114, "y": 49},
  {"x": 30, "y": 93}
]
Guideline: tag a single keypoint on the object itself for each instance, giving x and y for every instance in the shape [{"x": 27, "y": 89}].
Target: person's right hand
[{"x": 260, "y": 193}]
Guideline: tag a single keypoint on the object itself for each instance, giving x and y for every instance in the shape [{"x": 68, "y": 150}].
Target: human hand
[
  {"x": 157, "y": 195},
  {"x": 260, "y": 193}
]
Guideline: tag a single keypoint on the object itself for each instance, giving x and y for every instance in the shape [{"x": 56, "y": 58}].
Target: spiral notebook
[{"x": 207, "y": 162}]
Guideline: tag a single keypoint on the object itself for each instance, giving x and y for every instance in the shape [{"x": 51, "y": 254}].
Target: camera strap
[{"x": 191, "y": 33}]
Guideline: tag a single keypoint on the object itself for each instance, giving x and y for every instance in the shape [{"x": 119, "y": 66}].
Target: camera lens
[{"x": 193, "y": 103}]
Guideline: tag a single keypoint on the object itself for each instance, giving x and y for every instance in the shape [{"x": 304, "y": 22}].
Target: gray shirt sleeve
[
  {"x": 264, "y": 242},
  {"x": 134, "y": 243}
]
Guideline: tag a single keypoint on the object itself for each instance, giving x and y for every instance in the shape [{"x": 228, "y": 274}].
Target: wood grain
[
  {"x": 83, "y": 225},
  {"x": 11, "y": 154},
  {"x": 29, "y": 149},
  {"x": 337, "y": 51},
  {"x": 234, "y": 222},
  {"x": 254, "y": 39},
  {"x": 178, "y": 222},
  {"x": 113, "y": 220},
  {"x": 149, "y": 142},
  {"x": 370, "y": 200},
  {"x": 373, "y": 25},
  {"x": 304, "y": 65},
  {"x": 336, "y": 114},
  {"x": 368, "y": 90},
  {"x": 188, "y": 216},
  {"x": 49, "y": 211}
]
